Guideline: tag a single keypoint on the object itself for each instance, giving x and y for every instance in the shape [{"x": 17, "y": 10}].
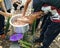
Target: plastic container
[
  {"x": 18, "y": 28},
  {"x": 16, "y": 37}
]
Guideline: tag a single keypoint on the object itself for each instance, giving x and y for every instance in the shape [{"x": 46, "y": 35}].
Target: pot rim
[{"x": 17, "y": 25}]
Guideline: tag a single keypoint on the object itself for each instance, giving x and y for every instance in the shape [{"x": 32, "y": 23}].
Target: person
[
  {"x": 36, "y": 7},
  {"x": 34, "y": 4},
  {"x": 3, "y": 13},
  {"x": 53, "y": 27}
]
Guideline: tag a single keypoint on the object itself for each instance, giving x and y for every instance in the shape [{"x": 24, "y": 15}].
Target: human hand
[
  {"x": 23, "y": 14},
  {"x": 29, "y": 20},
  {"x": 5, "y": 13},
  {"x": 8, "y": 14},
  {"x": 42, "y": 14}
]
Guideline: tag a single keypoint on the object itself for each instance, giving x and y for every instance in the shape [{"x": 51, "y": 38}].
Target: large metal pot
[{"x": 18, "y": 28}]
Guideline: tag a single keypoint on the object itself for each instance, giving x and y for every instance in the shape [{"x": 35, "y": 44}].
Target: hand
[
  {"x": 5, "y": 13},
  {"x": 22, "y": 14},
  {"x": 33, "y": 16},
  {"x": 40, "y": 15},
  {"x": 8, "y": 14},
  {"x": 30, "y": 19}
]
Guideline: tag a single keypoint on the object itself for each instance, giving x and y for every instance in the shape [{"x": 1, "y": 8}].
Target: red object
[
  {"x": 58, "y": 21},
  {"x": 53, "y": 8}
]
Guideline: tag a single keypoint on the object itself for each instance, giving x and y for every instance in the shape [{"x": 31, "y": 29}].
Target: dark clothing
[
  {"x": 1, "y": 23},
  {"x": 45, "y": 18},
  {"x": 37, "y": 5},
  {"x": 50, "y": 29},
  {"x": 15, "y": 6},
  {"x": 49, "y": 32},
  {"x": 55, "y": 3},
  {"x": 44, "y": 27},
  {"x": 9, "y": 11}
]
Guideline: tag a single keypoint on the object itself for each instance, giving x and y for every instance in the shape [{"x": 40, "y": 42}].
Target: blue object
[{"x": 16, "y": 37}]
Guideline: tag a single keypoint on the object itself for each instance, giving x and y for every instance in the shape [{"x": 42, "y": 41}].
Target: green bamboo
[
  {"x": 34, "y": 27},
  {"x": 25, "y": 42},
  {"x": 7, "y": 25},
  {"x": 34, "y": 23}
]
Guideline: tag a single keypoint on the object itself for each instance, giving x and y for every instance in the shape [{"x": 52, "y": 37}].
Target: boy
[{"x": 3, "y": 13}]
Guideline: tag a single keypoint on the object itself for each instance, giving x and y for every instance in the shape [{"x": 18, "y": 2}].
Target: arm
[
  {"x": 26, "y": 6},
  {"x": 3, "y": 6},
  {"x": 5, "y": 14},
  {"x": 33, "y": 16}
]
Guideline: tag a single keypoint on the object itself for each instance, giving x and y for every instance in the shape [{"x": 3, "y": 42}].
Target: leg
[
  {"x": 50, "y": 34},
  {"x": 1, "y": 24},
  {"x": 43, "y": 20},
  {"x": 46, "y": 17},
  {"x": 47, "y": 22}
]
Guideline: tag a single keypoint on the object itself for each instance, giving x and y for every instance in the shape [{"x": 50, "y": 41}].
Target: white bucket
[{"x": 18, "y": 28}]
